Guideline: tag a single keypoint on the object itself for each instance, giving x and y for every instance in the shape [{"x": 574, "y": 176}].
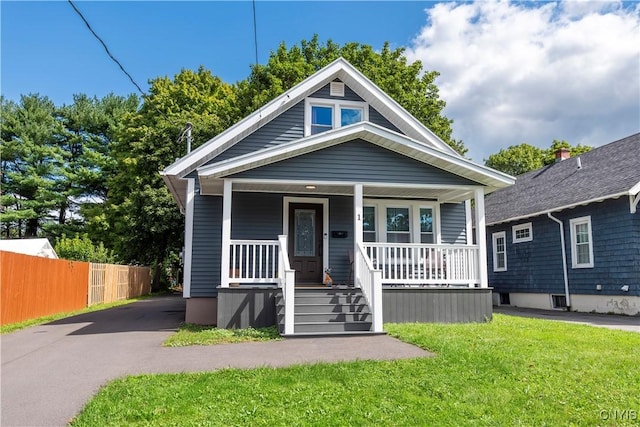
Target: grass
[
  {"x": 510, "y": 372},
  {"x": 190, "y": 334},
  {"x": 12, "y": 327}
]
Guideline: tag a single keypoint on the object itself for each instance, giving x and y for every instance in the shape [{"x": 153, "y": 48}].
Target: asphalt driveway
[
  {"x": 49, "y": 372},
  {"x": 610, "y": 321}
]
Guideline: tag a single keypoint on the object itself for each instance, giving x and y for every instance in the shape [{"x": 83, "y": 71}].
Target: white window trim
[
  {"x": 574, "y": 252},
  {"x": 336, "y": 104},
  {"x": 380, "y": 208},
  {"x": 494, "y": 238},
  {"x": 522, "y": 227}
]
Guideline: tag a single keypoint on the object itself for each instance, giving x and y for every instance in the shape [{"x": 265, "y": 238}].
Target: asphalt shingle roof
[{"x": 606, "y": 171}]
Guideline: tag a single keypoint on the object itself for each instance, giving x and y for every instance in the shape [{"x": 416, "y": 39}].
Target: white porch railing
[
  {"x": 254, "y": 261},
  {"x": 370, "y": 281},
  {"x": 421, "y": 264}
]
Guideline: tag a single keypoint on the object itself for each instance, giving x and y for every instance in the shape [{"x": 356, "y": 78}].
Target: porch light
[{"x": 310, "y": 187}]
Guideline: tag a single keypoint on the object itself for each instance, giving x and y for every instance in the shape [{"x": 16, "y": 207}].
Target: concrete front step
[
  {"x": 323, "y": 327},
  {"x": 331, "y": 317},
  {"x": 331, "y": 308}
]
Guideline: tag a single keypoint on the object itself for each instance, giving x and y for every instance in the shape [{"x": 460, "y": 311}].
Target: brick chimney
[{"x": 562, "y": 154}]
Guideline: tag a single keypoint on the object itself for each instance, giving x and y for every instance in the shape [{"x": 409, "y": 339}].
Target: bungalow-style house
[
  {"x": 332, "y": 183},
  {"x": 567, "y": 236}
]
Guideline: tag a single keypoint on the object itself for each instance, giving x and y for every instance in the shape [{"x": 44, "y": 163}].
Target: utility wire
[
  {"x": 144, "y": 95},
  {"x": 255, "y": 31},
  {"x": 105, "y": 46}
]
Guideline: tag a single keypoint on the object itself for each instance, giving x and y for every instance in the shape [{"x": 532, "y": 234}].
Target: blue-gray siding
[
  {"x": 206, "y": 246},
  {"x": 357, "y": 161},
  {"x": 379, "y": 119},
  {"x": 536, "y": 266},
  {"x": 286, "y": 127},
  {"x": 453, "y": 223}
]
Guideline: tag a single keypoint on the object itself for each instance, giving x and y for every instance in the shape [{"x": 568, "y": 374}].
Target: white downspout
[{"x": 564, "y": 260}]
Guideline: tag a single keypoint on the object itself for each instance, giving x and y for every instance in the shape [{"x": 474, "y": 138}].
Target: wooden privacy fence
[
  {"x": 32, "y": 287},
  {"x": 108, "y": 282}
]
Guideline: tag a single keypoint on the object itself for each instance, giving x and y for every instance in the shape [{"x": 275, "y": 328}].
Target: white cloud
[{"x": 534, "y": 72}]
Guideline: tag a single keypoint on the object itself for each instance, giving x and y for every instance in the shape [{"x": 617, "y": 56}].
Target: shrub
[{"x": 83, "y": 249}]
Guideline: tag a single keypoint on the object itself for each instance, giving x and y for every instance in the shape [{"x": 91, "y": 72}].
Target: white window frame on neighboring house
[
  {"x": 336, "y": 105},
  {"x": 494, "y": 238},
  {"x": 573, "y": 223},
  {"x": 520, "y": 227}
]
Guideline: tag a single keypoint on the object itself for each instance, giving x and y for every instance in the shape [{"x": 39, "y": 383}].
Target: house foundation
[{"x": 201, "y": 311}]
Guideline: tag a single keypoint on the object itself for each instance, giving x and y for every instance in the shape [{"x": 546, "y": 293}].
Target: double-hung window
[
  {"x": 398, "y": 225},
  {"x": 326, "y": 114},
  {"x": 369, "y": 224},
  {"x": 499, "y": 251},
  {"x": 581, "y": 242}
]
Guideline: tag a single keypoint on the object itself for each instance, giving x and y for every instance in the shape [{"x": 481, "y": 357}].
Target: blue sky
[{"x": 510, "y": 72}]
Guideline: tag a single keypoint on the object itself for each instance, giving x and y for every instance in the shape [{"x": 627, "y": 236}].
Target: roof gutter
[{"x": 564, "y": 260}]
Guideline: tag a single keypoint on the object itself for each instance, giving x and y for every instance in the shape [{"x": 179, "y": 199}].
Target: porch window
[
  {"x": 426, "y": 225},
  {"x": 322, "y": 115},
  {"x": 522, "y": 233},
  {"x": 499, "y": 251},
  {"x": 581, "y": 242},
  {"x": 369, "y": 224},
  {"x": 398, "y": 225}
]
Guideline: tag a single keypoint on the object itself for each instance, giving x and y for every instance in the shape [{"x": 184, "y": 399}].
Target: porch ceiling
[{"x": 211, "y": 186}]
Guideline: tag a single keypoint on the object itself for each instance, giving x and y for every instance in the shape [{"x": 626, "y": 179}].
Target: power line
[
  {"x": 255, "y": 31},
  {"x": 106, "y": 48},
  {"x": 144, "y": 95}
]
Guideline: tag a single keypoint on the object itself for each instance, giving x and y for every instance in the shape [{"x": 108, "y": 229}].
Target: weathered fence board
[
  {"x": 33, "y": 286},
  {"x": 109, "y": 283}
]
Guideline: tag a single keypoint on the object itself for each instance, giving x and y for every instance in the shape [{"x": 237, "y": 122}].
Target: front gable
[{"x": 286, "y": 120}]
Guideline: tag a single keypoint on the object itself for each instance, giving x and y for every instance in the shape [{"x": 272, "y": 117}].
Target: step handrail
[
  {"x": 370, "y": 281},
  {"x": 287, "y": 283}
]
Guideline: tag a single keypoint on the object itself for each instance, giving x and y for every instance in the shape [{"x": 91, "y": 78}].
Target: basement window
[{"x": 558, "y": 301}]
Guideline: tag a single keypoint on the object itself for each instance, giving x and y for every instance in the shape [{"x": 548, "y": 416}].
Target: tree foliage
[
  {"x": 56, "y": 161},
  {"x": 523, "y": 158},
  {"x": 81, "y": 248}
]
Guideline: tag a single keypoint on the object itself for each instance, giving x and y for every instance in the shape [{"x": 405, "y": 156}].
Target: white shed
[{"x": 35, "y": 247}]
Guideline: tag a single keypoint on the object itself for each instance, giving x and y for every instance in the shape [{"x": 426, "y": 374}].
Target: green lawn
[
  {"x": 190, "y": 334},
  {"x": 510, "y": 372}
]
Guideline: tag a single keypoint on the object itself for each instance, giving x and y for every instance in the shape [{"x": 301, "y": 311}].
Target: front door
[{"x": 305, "y": 242}]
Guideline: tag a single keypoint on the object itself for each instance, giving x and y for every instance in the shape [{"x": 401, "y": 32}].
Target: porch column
[
  {"x": 226, "y": 233},
  {"x": 357, "y": 227},
  {"x": 481, "y": 238},
  {"x": 188, "y": 238}
]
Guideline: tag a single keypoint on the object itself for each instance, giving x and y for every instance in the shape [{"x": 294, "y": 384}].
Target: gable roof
[
  {"x": 610, "y": 171},
  {"x": 34, "y": 247}
]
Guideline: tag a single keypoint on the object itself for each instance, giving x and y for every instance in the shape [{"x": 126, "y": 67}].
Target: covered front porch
[{"x": 331, "y": 238}]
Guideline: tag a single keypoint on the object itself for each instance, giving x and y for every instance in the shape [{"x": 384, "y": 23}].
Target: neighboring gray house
[
  {"x": 332, "y": 174},
  {"x": 588, "y": 202}
]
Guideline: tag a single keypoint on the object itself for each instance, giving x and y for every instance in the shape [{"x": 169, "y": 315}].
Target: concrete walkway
[
  {"x": 49, "y": 372},
  {"x": 610, "y": 321}
]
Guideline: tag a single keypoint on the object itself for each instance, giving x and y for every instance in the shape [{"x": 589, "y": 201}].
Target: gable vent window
[
  {"x": 325, "y": 114},
  {"x": 336, "y": 89}
]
